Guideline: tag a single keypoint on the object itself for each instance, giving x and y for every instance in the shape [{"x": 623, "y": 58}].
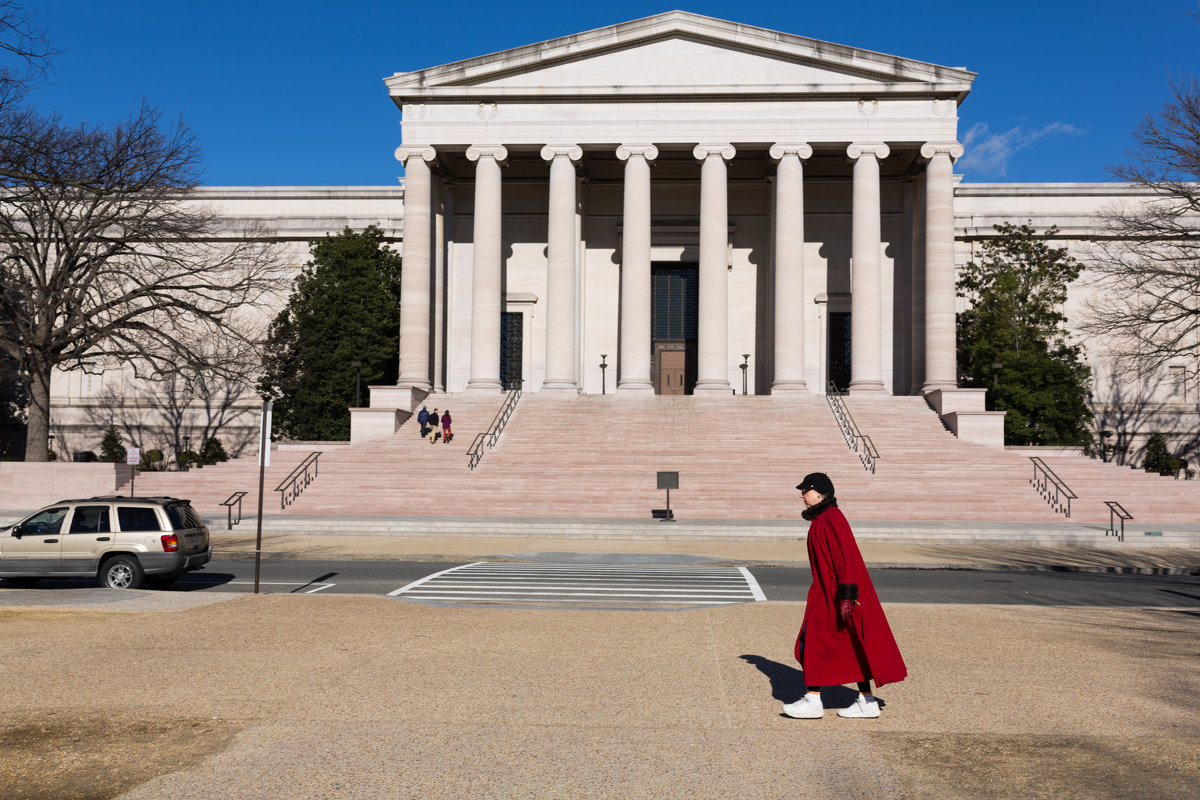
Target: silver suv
[{"x": 124, "y": 542}]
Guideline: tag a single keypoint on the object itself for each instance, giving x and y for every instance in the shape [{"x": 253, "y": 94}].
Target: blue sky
[{"x": 292, "y": 93}]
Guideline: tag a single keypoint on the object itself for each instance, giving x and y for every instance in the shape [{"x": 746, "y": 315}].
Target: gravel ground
[{"x": 282, "y": 696}]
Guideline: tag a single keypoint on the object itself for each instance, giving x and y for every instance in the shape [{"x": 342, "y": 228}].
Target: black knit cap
[{"x": 817, "y": 481}]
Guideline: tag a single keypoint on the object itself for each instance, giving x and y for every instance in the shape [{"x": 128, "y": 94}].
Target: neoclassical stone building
[
  {"x": 677, "y": 196},
  {"x": 667, "y": 206}
]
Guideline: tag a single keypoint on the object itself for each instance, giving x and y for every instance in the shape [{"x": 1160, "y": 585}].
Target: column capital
[
  {"x": 877, "y": 149},
  {"x": 646, "y": 151},
  {"x": 553, "y": 151},
  {"x": 496, "y": 151},
  {"x": 423, "y": 152},
  {"x": 703, "y": 151},
  {"x": 801, "y": 149},
  {"x": 952, "y": 149}
]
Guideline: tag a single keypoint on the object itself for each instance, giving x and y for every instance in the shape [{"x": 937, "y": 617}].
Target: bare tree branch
[{"x": 106, "y": 255}]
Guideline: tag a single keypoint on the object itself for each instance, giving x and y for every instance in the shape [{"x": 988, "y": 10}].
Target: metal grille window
[
  {"x": 674, "y": 302},
  {"x": 839, "y": 349},
  {"x": 511, "y": 348}
]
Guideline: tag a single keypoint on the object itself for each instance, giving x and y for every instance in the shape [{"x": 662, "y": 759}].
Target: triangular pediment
[{"x": 679, "y": 53}]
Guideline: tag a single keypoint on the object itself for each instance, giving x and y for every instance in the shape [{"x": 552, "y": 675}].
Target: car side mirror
[{"x": 17, "y": 532}]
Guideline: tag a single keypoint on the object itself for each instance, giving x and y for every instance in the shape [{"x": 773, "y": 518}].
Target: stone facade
[{"x": 691, "y": 202}]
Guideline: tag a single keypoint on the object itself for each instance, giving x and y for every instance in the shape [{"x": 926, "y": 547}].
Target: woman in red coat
[{"x": 845, "y": 637}]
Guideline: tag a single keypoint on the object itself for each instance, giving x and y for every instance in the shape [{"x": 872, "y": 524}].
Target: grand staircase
[{"x": 593, "y": 457}]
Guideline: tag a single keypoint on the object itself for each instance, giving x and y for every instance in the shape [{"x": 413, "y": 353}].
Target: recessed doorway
[{"x": 674, "y": 310}]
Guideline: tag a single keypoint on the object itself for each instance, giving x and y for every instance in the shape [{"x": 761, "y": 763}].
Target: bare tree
[
  {"x": 1147, "y": 268},
  {"x": 106, "y": 255}
]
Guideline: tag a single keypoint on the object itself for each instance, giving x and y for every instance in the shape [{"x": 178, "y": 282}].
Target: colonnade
[{"x": 713, "y": 324}]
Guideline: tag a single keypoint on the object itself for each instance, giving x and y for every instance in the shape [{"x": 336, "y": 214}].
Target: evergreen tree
[
  {"x": 345, "y": 307},
  {"x": 1157, "y": 457},
  {"x": 213, "y": 452},
  {"x": 111, "y": 448},
  {"x": 1016, "y": 288}
]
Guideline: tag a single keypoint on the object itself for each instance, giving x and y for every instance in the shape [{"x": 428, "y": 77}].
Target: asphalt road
[{"x": 775, "y": 583}]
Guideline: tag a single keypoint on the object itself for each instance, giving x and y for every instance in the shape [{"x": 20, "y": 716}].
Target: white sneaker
[
  {"x": 807, "y": 707},
  {"x": 861, "y": 709}
]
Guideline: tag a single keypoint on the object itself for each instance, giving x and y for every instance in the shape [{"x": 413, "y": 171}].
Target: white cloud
[{"x": 988, "y": 153}]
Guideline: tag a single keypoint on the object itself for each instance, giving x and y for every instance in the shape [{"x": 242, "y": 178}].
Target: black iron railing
[
  {"x": 856, "y": 440},
  {"x": 235, "y": 499},
  {"x": 489, "y": 437},
  {"x": 1051, "y": 487},
  {"x": 295, "y": 483},
  {"x": 1116, "y": 511}
]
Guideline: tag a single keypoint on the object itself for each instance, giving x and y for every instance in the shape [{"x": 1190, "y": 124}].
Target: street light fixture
[
  {"x": 187, "y": 446},
  {"x": 1104, "y": 445},
  {"x": 745, "y": 367},
  {"x": 603, "y": 373},
  {"x": 357, "y": 383}
]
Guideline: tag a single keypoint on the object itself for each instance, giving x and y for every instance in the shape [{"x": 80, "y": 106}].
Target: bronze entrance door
[{"x": 672, "y": 366}]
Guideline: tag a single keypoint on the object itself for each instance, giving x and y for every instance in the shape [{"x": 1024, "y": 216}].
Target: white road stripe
[
  {"x": 755, "y": 589},
  {"x": 427, "y": 578},
  {"x": 596, "y": 584},
  {"x": 321, "y": 588}
]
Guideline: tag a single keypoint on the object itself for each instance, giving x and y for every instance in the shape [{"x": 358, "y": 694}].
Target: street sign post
[{"x": 133, "y": 457}]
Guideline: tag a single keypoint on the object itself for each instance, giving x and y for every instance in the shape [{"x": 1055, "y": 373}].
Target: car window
[
  {"x": 137, "y": 518},
  {"x": 90, "y": 519},
  {"x": 47, "y": 521},
  {"x": 182, "y": 516}
]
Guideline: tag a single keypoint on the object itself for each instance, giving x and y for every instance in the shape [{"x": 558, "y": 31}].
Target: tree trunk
[{"x": 37, "y": 436}]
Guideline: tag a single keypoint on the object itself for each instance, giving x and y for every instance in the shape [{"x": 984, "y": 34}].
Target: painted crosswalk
[{"x": 607, "y": 585}]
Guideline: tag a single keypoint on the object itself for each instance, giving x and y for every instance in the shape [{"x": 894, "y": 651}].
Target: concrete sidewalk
[{"x": 1114, "y": 556}]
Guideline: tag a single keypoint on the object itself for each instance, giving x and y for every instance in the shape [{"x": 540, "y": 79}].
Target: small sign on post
[
  {"x": 133, "y": 457},
  {"x": 668, "y": 481}
]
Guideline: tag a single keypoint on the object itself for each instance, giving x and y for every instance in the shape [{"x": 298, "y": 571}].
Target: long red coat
[{"x": 829, "y": 652}]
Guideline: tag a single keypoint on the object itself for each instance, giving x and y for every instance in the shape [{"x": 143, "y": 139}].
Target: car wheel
[
  {"x": 161, "y": 581},
  {"x": 122, "y": 572},
  {"x": 22, "y": 583}
]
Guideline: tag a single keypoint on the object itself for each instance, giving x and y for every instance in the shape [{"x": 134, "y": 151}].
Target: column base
[
  {"x": 483, "y": 387},
  {"x": 560, "y": 387},
  {"x": 711, "y": 387},
  {"x": 788, "y": 386},
  {"x": 867, "y": 387},
  {"x": 942, "y": 386},
  {"x": 635, "y": 387}
]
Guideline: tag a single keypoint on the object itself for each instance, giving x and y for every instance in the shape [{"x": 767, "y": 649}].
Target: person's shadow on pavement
[{"x": 787, "y": 683}]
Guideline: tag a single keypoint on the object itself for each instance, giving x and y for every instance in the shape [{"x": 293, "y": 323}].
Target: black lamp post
[
  {"x": 1104, "y": 445},
  {"x": 745, "y": 367},
  {"x": 187, "y": 446},
  {"x": 996, "y": 367},
  {"x": 603, "y": 373},
  {"x": 357, "y": 383},
  {"x": 50, "y": 437}
]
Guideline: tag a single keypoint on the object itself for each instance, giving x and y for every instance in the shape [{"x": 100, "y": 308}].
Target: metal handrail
[
  {"x": 856, "y": 440},
  {"x": 492, "y": 434},
  {"x": 1116, "y": 510},
  {"x": 1045, "y": 482},
  {"x": 291, "y": 486},
  {"x": 234, "y": 499}
]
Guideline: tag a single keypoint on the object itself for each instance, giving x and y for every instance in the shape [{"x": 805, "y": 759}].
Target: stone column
[
  {"x": 941, "y": 369},
  {"x": 789, "y": 267},
  {"x": 560, "y": 269},
  {"x": 417, "y": 275},
  {"x": 712, "y": 344},
  {"x": 486, "y": 270},
  {"x": 634, "y": 364},
  {"x": 866, "y": 345}
]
